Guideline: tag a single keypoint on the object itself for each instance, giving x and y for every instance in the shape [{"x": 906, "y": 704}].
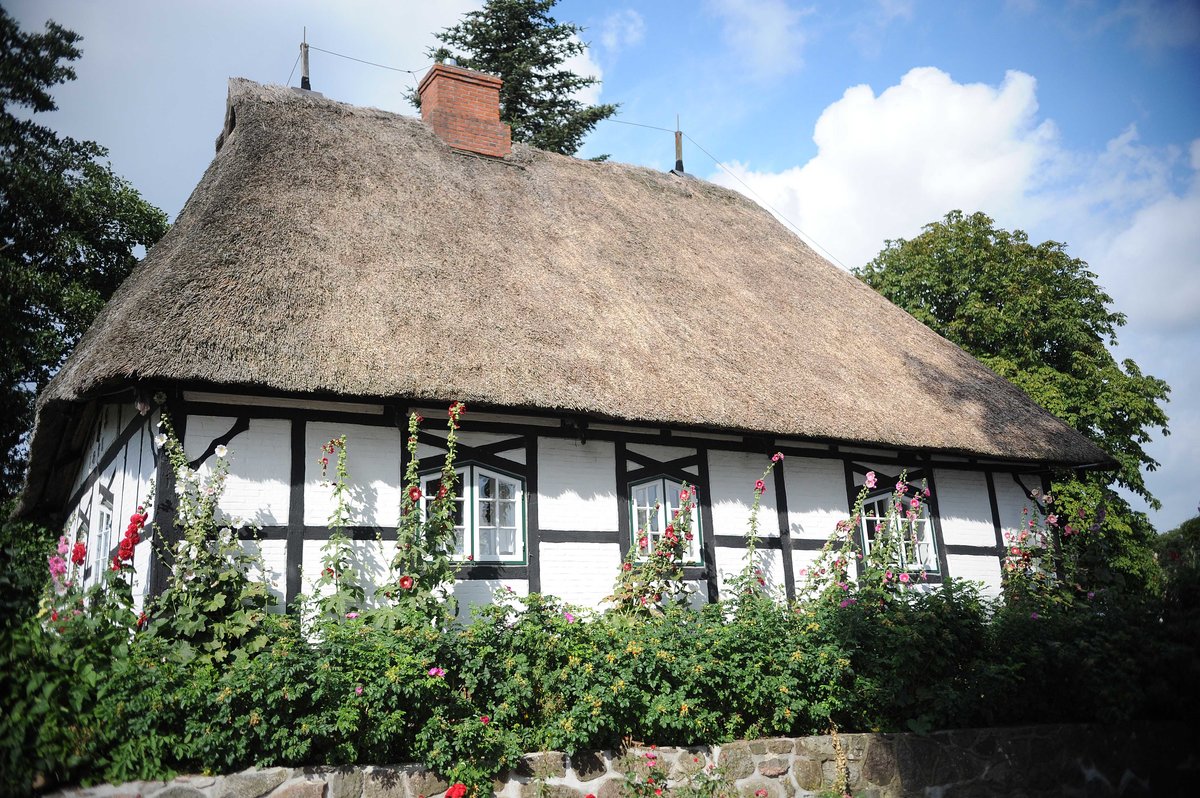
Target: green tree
[
  {"x": 1036, "y": 316},
  {"x": 69, "y": 228},
  {"x": 518, "y": 41}
]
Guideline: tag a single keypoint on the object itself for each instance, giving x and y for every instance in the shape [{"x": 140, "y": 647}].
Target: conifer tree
[{"x": 519, "y": 42}]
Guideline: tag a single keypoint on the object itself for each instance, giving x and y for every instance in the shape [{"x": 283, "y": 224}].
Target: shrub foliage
[{"x": 94, "y": 691}]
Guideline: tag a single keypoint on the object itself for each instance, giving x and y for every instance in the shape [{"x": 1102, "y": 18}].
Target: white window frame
[
  {"x": 100, "y": 539},
  {"x": 669, "y": 489},
  {"x": 875, "y": 511},
  {"x": 470, "y": 496}
]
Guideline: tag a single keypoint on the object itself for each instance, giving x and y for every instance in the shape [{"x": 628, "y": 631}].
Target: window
[
  {"x": 101, "y": 537},
  {"x": 916, "y": 549},
  {"x": 653, "y": 503},
  {"x": 489, "y": 514}
]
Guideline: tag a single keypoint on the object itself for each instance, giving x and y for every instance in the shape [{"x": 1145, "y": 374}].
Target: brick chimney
[{"x": 463, "y": 108}]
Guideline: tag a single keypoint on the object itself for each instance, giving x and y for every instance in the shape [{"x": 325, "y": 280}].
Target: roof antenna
[
  {"x": 304, "y": 82},
  {"x": 678, "y": 148}
]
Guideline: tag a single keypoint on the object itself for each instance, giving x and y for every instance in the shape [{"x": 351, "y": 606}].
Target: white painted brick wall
[
  {"x": 373, "y": 460},
  {"x": 257, "y": 488},
  {"x": 661, "y": 453},
  {"x": 577, "y": 485},
  {"x": 730, "y": 562},
  {"x": 1012, "y": 501},
  {"x": 731, "y": 492},
  {"x": 478, "y": 592},
  {"x": 816, "y": 496},
  {"x": 964, "y": 509},
  {"x": 580, "y": 573},
  {"x": 977, "y": 569}
]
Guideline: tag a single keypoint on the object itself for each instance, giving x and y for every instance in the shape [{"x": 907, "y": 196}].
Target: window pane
[
  {"x": 487, "y": 487},
  {"x": 487, "y": 541},
  {"x": 508, "y": 513},
  {"x": 508, "y": 542},
  {"x": 487, "y": 513},
  {"x": 507, "y": 490}
]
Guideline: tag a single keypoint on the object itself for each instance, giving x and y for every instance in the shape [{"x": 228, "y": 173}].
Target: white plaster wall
[
  {"x": 976, "y": 568},
  {"x": 1012, "y": 501},
  {"x": 257, "y": 488},
  {"x": 731, "y": 491},
  {"x": 816, "y": 497},
  {"x": 577, "y": 486},
  {"x": 373, "y": 460},
  {"x": 964, "y": 509},
  {"x": 579, "y": 573}
]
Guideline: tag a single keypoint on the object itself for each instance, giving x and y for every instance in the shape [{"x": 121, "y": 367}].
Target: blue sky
[{"x": 1076, "y": 121}]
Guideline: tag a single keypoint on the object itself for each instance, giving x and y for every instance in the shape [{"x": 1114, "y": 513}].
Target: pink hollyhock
[
  {"x": 869, "y": 481},
  {"x": 760, "y": 486},
  {"x": 904, "y": 578},
  {"x": 775, "y": 458}
]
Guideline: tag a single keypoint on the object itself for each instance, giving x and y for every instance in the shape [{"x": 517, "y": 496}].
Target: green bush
[{"x": 209, "y": 680}]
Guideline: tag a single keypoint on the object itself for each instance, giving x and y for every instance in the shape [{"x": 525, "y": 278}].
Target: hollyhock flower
[
  {"x": 414, "y": 494},
  {"x": 1091, "y": 595},
  {"x": 358, "y": 689},
  {"x": 352, "y": 615},
  {"x": 904, "y": 578},
  {"x": 485, "y": 720},
  {"x": 887, "y": 576},
  {"x": 437, "y": 673},
  {"x": 63, "y": 545},
  {"x": 441, "y": 494},
  {"x": 142, "y": 620},
  {"x": 915, "y": 503},
  {"x": 1033, "y": 616},
  {"x": 627, "y": 566},
  {"x": 221, "y": 451},
  {"x": 160, "y": 440},
  {"x": 760, "y": 486},
  {"x": 457, "y": 790},
  {"x": 869, "y": 481},
  {"x": 569, "y": 617},
  {"x": 775, "y": 458},
  {"x": 79, "y": 554},
  {"x": 116, "y": 563},
  {"x": 406, "y": 583},
  {"x": 58, "y": 566},
  {"x": 684, "y": 495},
  {"x": 1068, "y": 531},
  {"x": 470, "y": 558},
  {"x": 901, "y": 487}
]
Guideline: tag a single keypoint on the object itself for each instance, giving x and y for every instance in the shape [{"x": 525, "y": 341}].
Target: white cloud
[
  {"x": 888, "y": 164},
  {"x": 764, "y": 35},
  {"x": 583, "y": 65},
  {"x": 622, "y": 29}
]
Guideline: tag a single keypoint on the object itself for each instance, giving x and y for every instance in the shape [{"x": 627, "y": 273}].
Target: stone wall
[{"x": 1148, "y": 759}]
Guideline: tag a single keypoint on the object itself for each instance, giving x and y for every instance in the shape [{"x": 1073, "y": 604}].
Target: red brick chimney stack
[{"x": 463, "y": 108}]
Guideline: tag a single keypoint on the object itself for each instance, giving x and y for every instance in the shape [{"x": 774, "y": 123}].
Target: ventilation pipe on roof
[
  {"x": 304, "y": 81},
  {"x": 678, "y": 148},
  {"x": 463, "y": 108}
]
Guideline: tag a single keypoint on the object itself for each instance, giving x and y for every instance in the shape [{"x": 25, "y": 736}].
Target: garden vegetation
[{"x": 211, "y": 677}]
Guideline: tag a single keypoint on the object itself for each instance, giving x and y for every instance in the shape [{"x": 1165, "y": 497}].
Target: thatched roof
[{"x": 337, "y": 249}]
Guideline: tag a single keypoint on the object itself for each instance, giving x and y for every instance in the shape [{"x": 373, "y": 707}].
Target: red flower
[
  {"x": 142, "y": 619},
  {"x": 684, "y": 495},
  {"x": 54, "y": 615},
  {"x": 670, "y": 530},
  {"x": 627, "y": 567},
  {"x": 79, "y": 554},
  {"x": 441, "y": 494},
  {"x": 760, "y": 486},
  {"x": 485, "y": 720},
  {"x": 116, "y": 563},
  {"x": 457, "y": 790},
  {"x": 406, "y": 583},
  {"x": 470, "y": 558},
  {"x": 414, "y": 494}
]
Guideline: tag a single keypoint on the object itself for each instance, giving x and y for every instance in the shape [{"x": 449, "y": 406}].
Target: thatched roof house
[{"x": 332, "y": 252}]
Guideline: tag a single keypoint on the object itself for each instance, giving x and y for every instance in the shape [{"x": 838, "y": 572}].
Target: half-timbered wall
[
  {"x": 115, "y": 478},
  {"x": 576, "y": 483}
]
